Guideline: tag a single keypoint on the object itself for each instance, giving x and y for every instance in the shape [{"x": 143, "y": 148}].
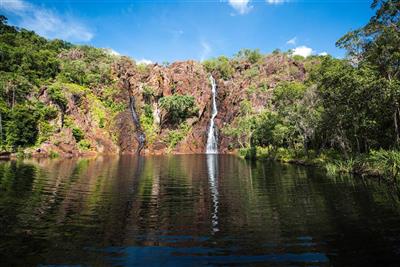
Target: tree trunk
[{"x": 396, "y": 126}]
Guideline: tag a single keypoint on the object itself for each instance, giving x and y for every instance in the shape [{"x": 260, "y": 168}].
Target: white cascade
[{"x": 212, "y": 138}]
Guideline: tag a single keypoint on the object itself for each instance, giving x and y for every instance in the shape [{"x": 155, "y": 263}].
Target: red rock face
[
  {"x": 251, "y": 82},
  {"x": 254, "y": 83}
]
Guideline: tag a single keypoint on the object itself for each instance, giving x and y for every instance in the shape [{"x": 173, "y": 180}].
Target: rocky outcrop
[
  {"x": 252, "y": 82},
  {"x": 122, "y": 132}
]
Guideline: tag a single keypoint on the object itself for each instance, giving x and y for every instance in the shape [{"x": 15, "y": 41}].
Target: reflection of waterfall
[
  {"x": 212, "y": 138},
  {"x": 140, "y": 136},
  {"x": 212, "y": 166}
]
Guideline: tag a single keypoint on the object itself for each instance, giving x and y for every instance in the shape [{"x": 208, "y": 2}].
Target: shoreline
[{"x": 314, "y": 162}]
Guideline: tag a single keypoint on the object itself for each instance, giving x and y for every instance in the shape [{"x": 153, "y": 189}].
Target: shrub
[
  {"x": 221, "y": 65},
  {"x": 53, "y": 154},
  {"x": 46, "y": 130},
  {"x": 175, "y": 136},
  {"x": 147, "y": 123},
  {"x": 56, "y": 95},
  {"x": 178, "y": 107},
  {"x": 252, "y": 72},
  {"x": 84, "y": 145},
  {"x": 387, "y": 162},
  {"x": 148, "y": 92},
  {"x": 250, "y": 55},
  {"x": 248, "y": 153},
  {"x": 78, "y": 134},
  {"x": 108, "y": 98}
]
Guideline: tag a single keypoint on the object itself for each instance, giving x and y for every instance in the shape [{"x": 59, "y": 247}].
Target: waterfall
[
  {"x": 212, "y": 138},
  {"x": 140, "y": 136}
]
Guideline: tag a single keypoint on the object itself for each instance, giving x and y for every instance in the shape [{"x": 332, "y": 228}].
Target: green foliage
[
  {"x": 84, "y": 145},
  {"x": 21, "y": 127},
  {"x": 14, "y": 88},
  {"x": 45, "y": 131},
  {"x": 56, "y": 94},
  {"x": 108, "y": 98},
  {"x": 243, "y": 126},
  {"x": 178, "y": 107},
  {"x": 387, "y": 162},
  {"x": 148, "y": 92},
  {"x": 44, "y": 112},
  {"x": 287, "y": 93},
  {"x": 53, "y": 154},
  {"x": 143, "y": 68},
  {"x": 97, "y": 110},
  {"x": 340, "y": 167},
  {"x": 25, "y": 54},
  {"x": 78, "y": 134},
  {"x": 253, "y": 56},
  {"x": 85, "y": 65},
  {"x": 220, "y": 65},
  {"x": 148, "y": 125},
  {"x": 252, "y": 73},
  {"x": 176, "y": 136}
]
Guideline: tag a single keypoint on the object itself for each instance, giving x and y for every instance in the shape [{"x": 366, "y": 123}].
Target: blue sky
[{"x": 173, "y": 30}]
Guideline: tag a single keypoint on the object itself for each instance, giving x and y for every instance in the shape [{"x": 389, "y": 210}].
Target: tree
[
  {"x": 21, "y": 128},
  {"x": 298, "y": 108},
  {"x": 377, "y": 45},
  {"x": 243, "y": 126},
  {"x": 178, "y": 108},
  {"x": 253, "y": 56}
]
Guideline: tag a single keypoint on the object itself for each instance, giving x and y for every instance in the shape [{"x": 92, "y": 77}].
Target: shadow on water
[{"x": 192, "y": 210}]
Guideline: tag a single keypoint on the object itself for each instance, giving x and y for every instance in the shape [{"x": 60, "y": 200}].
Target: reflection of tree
[{"x": 59, "y": 207}]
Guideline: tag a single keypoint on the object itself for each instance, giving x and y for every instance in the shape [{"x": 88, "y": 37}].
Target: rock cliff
[{"x": 110, "y": 130}]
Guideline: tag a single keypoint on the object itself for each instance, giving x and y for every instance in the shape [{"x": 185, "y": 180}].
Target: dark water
[{"x": 192, "y": 211}]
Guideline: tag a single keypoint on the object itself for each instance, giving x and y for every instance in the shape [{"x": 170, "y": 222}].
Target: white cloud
[
  {"x": 292, "y": 41},
  {"x": 241, "y": 6},
  {"x": 206, "y": 50},
  {"x": 111, "y": 51},
  {"x": 323, "y": 54},
  {"x": 275, "y": 2},
  {"x": 14, "y": 5},
  {"x": 303, "y": 51},
  {"x": 144, "y": 61},
  {"x": 47, "y": 22}
]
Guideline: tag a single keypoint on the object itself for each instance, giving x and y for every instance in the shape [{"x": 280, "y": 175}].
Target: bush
[
  {"x": 84, "y": 145},
  {"x": 46, "y": 130},
  {"x": 221, "y": 65},
  {"x": 53, "y": 154},
  {"x": 250, "y": 55},
  {"x": 78, "y": 134},
  {"x": 175, "y": 136},
  {"x": 56, "y": 95},
  {"x": 147, "y": 123},
  {"x": 178, "y": 107},
  {"x": 248, "y": 153},
  {"x": 252, "y": 72},
  {"x": 148, "y": 92},
  {"x": 387, "y": 162},
  {"x": 108, "y": 98},
  {"x": 340, "y": 166}
]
